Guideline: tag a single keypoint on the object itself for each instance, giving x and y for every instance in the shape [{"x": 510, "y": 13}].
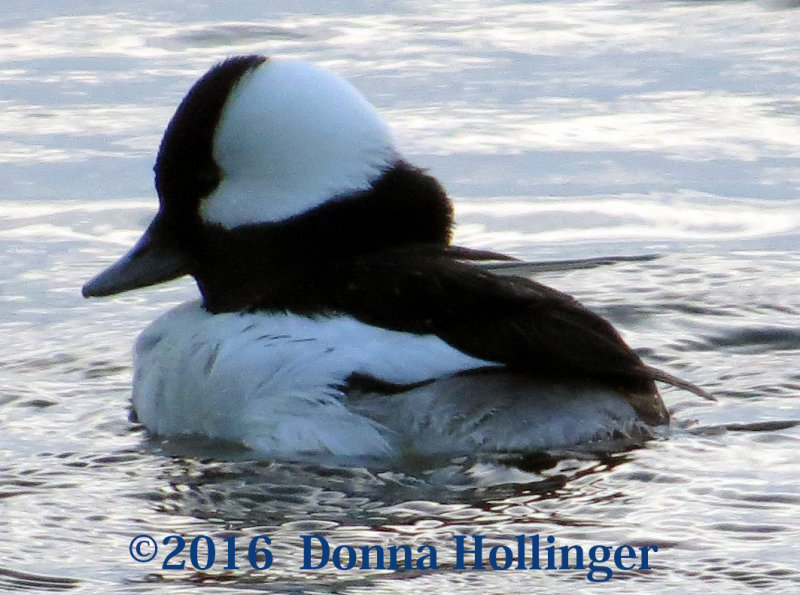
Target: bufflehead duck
[{"x": 336, "y": 318}]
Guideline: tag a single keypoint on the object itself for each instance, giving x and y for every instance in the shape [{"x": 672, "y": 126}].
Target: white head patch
[{"x": 290, "y": 137}]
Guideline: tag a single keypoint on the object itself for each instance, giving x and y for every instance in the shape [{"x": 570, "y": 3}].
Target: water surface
[{"x": 562, "y": 130}]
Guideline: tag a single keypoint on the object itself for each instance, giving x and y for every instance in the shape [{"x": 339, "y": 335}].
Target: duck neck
[{"x": 272, "y": 264}]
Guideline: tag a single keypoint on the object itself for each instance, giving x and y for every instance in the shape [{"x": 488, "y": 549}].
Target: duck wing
[{"x": 528, "y": 327}]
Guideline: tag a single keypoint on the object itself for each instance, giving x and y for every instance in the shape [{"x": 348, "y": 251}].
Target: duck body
[
  {"x": 285, "y": 384},
  {"x": 336, "y": 317},
  {"x": 277, "y": 382}
]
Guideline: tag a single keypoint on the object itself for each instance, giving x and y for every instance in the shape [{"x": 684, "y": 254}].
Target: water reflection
[{"x": 567, "y": 130}]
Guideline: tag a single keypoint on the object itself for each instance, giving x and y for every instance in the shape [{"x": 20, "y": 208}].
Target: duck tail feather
[{"x": 668, "y": 378}]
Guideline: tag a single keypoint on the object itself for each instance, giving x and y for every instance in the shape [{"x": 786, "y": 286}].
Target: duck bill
[{"x": 154, "y": 259}]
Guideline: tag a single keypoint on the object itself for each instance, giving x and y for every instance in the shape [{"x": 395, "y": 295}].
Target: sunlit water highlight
[{"x": 563, "y": 130}]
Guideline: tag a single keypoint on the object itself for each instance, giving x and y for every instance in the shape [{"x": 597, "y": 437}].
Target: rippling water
[{"x": 563, "y": 130}]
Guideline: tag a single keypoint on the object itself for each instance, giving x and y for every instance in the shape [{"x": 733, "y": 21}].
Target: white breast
[{"x": 269, "y": 381}]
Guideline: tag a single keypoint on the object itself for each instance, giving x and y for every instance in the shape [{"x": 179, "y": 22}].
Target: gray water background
[{"x": 562, "y": 130}]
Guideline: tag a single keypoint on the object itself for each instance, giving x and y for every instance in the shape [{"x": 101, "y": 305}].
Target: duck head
[{"x": 267, "y": 170}]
